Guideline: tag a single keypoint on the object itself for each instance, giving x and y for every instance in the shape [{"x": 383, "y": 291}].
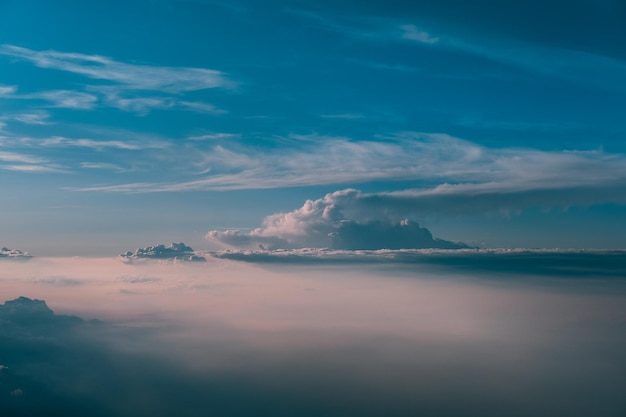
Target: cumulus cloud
[
  {"x": 175, "y": 251},
  {"x": 14, "y": 254},
  {"x": 337, "y": 221}
]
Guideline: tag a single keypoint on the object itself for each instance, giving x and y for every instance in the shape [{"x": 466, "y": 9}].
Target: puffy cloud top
[
  {"x": 176, "y": 251},
  {"x": 14, "y": 253},
  {"x": 339, "y": 220}
]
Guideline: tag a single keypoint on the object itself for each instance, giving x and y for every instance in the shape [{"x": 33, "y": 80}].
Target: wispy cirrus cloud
[
  {"x": 413, "y": 33},
  {"x": 131, "y": 76},
  {"x": 33, "y": 118},
  {"x": 345, "y": 116},
  {"x": 6, "y": 90},
  {"x": 103, "y": 165},
  {"x": 28, "y": 163},
  {"x": 21, "y": 158},
  {"x": 568, "y": 64},
  {"x": 98, "y": 145},
  {"x": 451, "y": 175},
  {"x": 68, "y": 99},
  {"x": 371, "y": 28},
  {"x": 214, "y": 136},
  {"x": 129, "y": 87}
]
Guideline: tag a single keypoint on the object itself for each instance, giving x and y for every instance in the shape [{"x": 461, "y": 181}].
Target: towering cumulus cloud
[{"x": 346, "y": 219}]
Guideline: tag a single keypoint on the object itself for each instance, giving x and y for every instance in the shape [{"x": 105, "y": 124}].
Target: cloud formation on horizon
[
  {"x": 335, "y": 221},
  {"x": 14, "y": 254},
  {"x": 175, "y": 251}
]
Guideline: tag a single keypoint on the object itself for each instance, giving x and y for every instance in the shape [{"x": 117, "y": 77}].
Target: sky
[{"x": 284, "y": 124}]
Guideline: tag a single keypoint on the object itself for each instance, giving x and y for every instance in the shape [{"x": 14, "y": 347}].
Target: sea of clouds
[{"x": 232, "y": 338}]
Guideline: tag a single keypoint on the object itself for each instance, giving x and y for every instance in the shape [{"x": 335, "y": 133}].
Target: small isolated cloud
[
  {"x": 33, "y": 118},
  {"x": 214, "y": 136},
  {"x": 176, "y": 252},
  {"x": 200, "y": 107},
  {"x": 66, "y": 99},
  {"x": 102, "y": 165},
  {"x": 338, "y": 221},
  {"x": 14, "y": 254},
  {"x": 7, "y": 90},
  {"x": 413, "y": 33}
]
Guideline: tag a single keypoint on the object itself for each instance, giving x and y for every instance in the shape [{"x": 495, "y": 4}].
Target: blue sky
[{"x": 126, "y": 123}]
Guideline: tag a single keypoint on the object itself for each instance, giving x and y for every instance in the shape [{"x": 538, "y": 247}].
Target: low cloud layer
[
  {"x": 14, "y": 254},
  {"x": 336, "y": 221},
  {"x": 175, "y": 251},
  {"x": 238, "y": 339}
]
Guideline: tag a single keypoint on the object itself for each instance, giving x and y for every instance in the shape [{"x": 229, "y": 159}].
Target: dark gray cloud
[
  {"x": 175, "y": 251},
  {"x": 564, "y": 263}
]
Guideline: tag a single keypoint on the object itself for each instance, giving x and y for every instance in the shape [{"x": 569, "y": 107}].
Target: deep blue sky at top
[{"x": 124, "y": 122}]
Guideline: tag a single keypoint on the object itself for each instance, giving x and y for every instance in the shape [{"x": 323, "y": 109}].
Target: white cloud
[
  {"x": 69, "y": 99},
  {"x": 102, "y": 165},
  {"x": 141, "y": 106},
  {"x": 336, "y": 221},
  {"x": 27, "y": 163},
  {"x": 214, "y": 136},
  {"x": 34, "y": 168},
  {"x": 33, "y": 118},
  {"x": 21, "y": 158},
  {"x": 7, "y": 90},
  {"x": 66, "y": 99},
  {"x": 413, "y": 33},
  {"x": 98, "y": 145},
  {"x": 442, "y": 165},
  {"x": 347, "y": 116},
  {"x": 130, "y": 76},
  {"x": 371, "y": 28},
  {"x": 200, "y": 107}
]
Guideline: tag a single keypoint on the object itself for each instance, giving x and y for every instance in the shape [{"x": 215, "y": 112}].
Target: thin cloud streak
[
  {"x": 136, "y": 77},
  {"x": 28, "y": 163},
  {"x": 98, "y": 145},
  {"x": 449, "y": 168},
  {"x": 568, "y": 64},
  {"x": 34, "y": 169}
]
